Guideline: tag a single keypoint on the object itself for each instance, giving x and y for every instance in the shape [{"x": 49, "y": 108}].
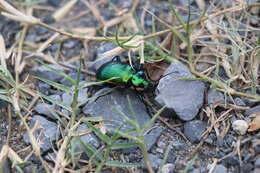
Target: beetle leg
[{"x": 116, "y": 58}]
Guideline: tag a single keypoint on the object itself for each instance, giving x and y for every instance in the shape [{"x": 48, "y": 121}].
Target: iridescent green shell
[{"x": 121, "y": 72}]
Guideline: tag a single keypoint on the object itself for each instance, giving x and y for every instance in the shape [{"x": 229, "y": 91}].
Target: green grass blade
[
  {"x": 123, "y": 164},
  {"x": 7, "y": 76},
  {"x": 133, "y": 138},
  {"x": 149, "y": 123},
  {"x": 190, "y": 79},
  {"x": 3, "y": 91},
  {"x": 179, "y": 34},
  {"x": 56, "y": 102},
  {"x": 165, "y": 158},
  {"x": 124, "y": 145},
  {"x": 5, "y": 98},
  {"x": 91, "y": 152},
  {"x": 54, "y": 84},
  {"x": 197, "y": 22},
  {"x": 72, "y": 81},
  {"x": 88, "y": 84},
  {"x": 57, "y": 116},
  {"x": 177, "y": 14},
  {"x": 92, "y": 119},
  {"x": 102, "y": 136},
  {"x": 132, "y": 122}
]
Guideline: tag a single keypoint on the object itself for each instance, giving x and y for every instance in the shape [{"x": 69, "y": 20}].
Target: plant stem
[
  {"x": 18, "y": 64},
  {"x": 146, "y": 157},
  {"x": 149, "y": 36},
  {"x": 100, "y": 166}
]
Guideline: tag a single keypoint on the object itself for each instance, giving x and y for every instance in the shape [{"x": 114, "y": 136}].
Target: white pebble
[
  {"x": 167, "y": 168},
  {"x": 240, "y": 126}
]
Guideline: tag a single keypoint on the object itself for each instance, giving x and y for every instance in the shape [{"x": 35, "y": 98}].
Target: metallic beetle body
[{"x": 122, "y": 74}]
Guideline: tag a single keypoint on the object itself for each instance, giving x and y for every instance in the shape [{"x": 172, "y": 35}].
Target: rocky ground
[{"x": 203, "y": 128}]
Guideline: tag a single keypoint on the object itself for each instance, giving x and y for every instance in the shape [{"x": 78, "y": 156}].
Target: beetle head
[{"x": 139, "y": 81}]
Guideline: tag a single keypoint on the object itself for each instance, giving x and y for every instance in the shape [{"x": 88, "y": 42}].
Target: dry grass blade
[
  {"x": 13, "y": 156},
  {"x": 60, "y": 161},
  {"x": 130, "y": 23},
  {"x": 137, "y": 42},
  {"x": 47, "y": 43},
  {"x": 15, "y": 14},
  {"x": 60, "y": 13},
  {"x": 201, "y": 4},
  {"x": 255, "y": 63},
  {"x": 86, "y": 31},
  {"x": 115, "y": 21},
  {"x": 93, "y": 7},
  {"x": 45, "y": 57},
  {"x": 3, "y": 157},
  {"x": 212, "y": 28},
  {"x": 3, "y": 55}
]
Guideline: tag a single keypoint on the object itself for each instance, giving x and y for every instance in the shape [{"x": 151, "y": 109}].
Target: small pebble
[
  {"x": 240, "y": 126},
  {"x": 219, "y": 169},
  {"x": 167, "y": 168},
  {"x": 156, "y": 161},
  {"x": 257, "y": 162}
]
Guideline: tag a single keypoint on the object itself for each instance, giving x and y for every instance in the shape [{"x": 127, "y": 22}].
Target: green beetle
[{"x": 122, "y": 73}]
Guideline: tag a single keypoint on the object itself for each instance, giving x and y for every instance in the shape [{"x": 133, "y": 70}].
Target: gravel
[{"x": 194, "y": 129}]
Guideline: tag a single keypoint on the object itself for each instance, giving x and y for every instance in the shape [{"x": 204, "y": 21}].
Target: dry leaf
[
  {"x": 255, "y": 124},
  {"x": 155, "y": 70}
]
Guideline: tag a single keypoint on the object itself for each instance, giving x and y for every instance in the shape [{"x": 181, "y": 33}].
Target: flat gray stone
[
  {"x": 45, "y": 109},
  {"x": 257, "y": 163},
  {"x": 107, "y": 106},
  {"x": 88, "y": 138},
  {"x": 151, "y": 138},
  {"x": 220, "y": 169},
  {"x": 55, "y": 97},
  {"x": 44, "y": 88},
  {"x": 73, "y": 75},
  {"x": 46, "y": 73},
  {"x": 183, "y": 97},
  {"x": 194, "y": 129},
  {"x": 104, "y": 47},
  {"x": 215, "y": 97},
  {"x": 253, "y": 110},
  {"x": 82, "y": 96},
  {"x": 239, "y": 102},
  {"x": 48, "y": 132}
]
